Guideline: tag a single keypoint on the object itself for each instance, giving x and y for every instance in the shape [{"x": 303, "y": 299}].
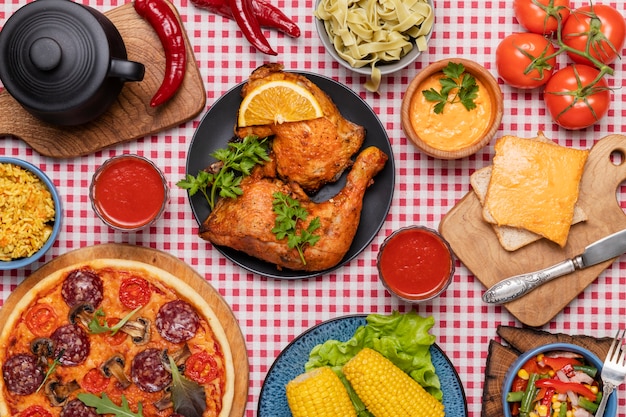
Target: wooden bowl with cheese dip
[{"x": 453, "y": 122}]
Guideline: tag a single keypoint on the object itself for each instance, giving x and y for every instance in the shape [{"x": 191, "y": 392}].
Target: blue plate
[{"x": 290, "y": 363}]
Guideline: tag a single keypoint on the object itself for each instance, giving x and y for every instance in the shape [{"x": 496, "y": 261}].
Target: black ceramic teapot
[{"x": 64, "y": 62}]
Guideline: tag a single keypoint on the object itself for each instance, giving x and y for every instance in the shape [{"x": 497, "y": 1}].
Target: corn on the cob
[
  {"x": 319, "y": 393},
  {"x": 386, "y": 390}
]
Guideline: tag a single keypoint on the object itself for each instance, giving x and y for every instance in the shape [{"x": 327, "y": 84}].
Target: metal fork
[{"x": 613, "y": 370}]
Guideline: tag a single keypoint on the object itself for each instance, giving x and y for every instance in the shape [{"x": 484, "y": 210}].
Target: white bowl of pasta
[{"x": 372, "y": 39}]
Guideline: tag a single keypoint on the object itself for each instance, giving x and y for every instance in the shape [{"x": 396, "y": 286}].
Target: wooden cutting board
[
  {"x": 131, "y": 116},
  {"x": 475, "y": 243},
  {"x": 172, "y": 265}
]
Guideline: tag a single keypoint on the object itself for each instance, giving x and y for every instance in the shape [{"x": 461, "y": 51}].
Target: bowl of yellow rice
[{"x": 30, "y": 213}]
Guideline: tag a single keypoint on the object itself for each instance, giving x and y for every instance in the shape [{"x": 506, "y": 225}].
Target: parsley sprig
[
  {"x": 234, "y": 162},
  {"x": 288, "y": 212},
  {"x": 457, "y": 86}
]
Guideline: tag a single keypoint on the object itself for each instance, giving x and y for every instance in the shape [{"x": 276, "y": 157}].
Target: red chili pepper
[
  {"x": 266, "y": 13},
  {"x": 271, "y": 16},
  {"x": 243, "y": 13},
  {"x": 220, "y": 7},
  {"x": 563, "y": 387},
  {"x": 167, "y": 26}
]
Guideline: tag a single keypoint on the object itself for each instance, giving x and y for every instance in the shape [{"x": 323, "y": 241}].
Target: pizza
[{"x": 113, "y": 335}]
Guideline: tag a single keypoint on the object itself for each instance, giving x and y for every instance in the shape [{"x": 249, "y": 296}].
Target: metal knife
[{"x": 514, "y": 287}]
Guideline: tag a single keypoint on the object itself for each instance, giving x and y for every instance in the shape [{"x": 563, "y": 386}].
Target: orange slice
[{"x": 277, "y": 102}]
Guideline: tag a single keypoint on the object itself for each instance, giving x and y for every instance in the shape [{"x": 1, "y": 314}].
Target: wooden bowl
[{"x": 494, "y": 95}]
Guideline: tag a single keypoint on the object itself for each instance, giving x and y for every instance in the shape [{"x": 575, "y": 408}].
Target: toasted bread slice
[
  {"x": 511, "y": 238},
  {"x": 534, "y": 186}
]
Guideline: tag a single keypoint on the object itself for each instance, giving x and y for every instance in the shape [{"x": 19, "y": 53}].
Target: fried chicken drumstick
[{"x": 246, "y": 223}]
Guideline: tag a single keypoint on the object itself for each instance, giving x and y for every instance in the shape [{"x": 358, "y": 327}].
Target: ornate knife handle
[{"x": 514, "y": 287}]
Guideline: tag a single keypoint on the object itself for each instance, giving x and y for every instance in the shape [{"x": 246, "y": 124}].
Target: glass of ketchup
[
  {"x": 128, "y": 193},
  {"x": 415, "y": 263}
]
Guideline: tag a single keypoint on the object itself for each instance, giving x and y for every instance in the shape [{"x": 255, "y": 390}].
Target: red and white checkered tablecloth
[{"x": 273, "y": 312}]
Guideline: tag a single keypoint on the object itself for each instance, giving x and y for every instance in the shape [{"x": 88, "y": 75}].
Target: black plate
[{"x": 216, "y": 129}]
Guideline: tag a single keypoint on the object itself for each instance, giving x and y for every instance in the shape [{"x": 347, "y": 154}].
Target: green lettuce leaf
[{"x": 404, "y": 339}]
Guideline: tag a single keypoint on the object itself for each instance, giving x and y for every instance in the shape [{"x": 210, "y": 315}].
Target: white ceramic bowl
[
  {"x": 22, "y": 262},
  {"x": 385, "y": 68}
]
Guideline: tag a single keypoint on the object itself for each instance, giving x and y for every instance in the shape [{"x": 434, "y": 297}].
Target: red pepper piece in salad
[
  {"x": 266, "y": 13},
  {"x": 546, "y": 396},
  {"x": 243, "y": 13},
  {"x": 559, "y": 363},
  {"x": 563, "y": 387},
  {"x": 167, "y": 26}
]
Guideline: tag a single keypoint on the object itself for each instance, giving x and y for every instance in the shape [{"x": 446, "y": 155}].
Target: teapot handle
[{"x": 126, "y": 70}]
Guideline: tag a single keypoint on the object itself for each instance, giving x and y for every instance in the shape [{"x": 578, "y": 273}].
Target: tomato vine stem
[{"x": 594, "y": 37}]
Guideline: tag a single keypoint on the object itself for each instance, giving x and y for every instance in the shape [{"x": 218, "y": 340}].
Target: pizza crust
[{"x": 180, "y": 287}]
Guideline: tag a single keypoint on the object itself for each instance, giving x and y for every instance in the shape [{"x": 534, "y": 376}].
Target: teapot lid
[{"x": 54, "y": 53}]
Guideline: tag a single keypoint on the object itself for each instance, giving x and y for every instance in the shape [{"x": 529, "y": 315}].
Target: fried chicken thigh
[
  {"x": 312, "y": 152},
  {"x": 246, "y": 223}
]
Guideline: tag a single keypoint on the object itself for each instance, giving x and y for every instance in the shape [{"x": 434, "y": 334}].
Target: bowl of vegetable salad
[{"x": 555, "y": 380}]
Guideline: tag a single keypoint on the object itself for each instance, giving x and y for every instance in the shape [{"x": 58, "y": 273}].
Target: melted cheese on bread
[{"x": 535, "y": 186}]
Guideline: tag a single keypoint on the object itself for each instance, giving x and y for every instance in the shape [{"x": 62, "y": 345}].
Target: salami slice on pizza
[{"x": 117, "y": 332}]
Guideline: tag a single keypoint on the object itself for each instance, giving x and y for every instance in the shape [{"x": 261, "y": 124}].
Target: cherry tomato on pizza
[
  {"x": 598, "y": 29},
  {"x": 117, "y": 338},
  {"x": 41, "y": 319},
  {"x": 94, "y": 381},
  {"x": 525, "y": 60},
  {"x": 35, "y": 411},
  {"x": 540, "y": 16},
  {"x": 576, "y": 97},
  {"x": 135, "y": 292},
  {"x": 201, "y": 367}
]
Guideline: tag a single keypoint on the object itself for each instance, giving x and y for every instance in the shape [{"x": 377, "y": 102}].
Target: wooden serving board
[
  {"x": 172, "y": 265},
  {"x": 131, "y": 116},
  {"x": 475, "y": 243}
]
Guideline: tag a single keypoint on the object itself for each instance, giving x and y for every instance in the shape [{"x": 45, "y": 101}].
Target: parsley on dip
[{"x": 452, "y": 108}]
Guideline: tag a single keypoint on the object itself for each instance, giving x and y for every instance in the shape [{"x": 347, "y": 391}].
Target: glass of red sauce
[
  {"x": 129, "y": 193},
  {"x": 416, "y": 264}
]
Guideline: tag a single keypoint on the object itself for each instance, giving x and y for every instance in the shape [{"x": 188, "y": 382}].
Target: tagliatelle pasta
[{"x": 369, "y": 32}]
